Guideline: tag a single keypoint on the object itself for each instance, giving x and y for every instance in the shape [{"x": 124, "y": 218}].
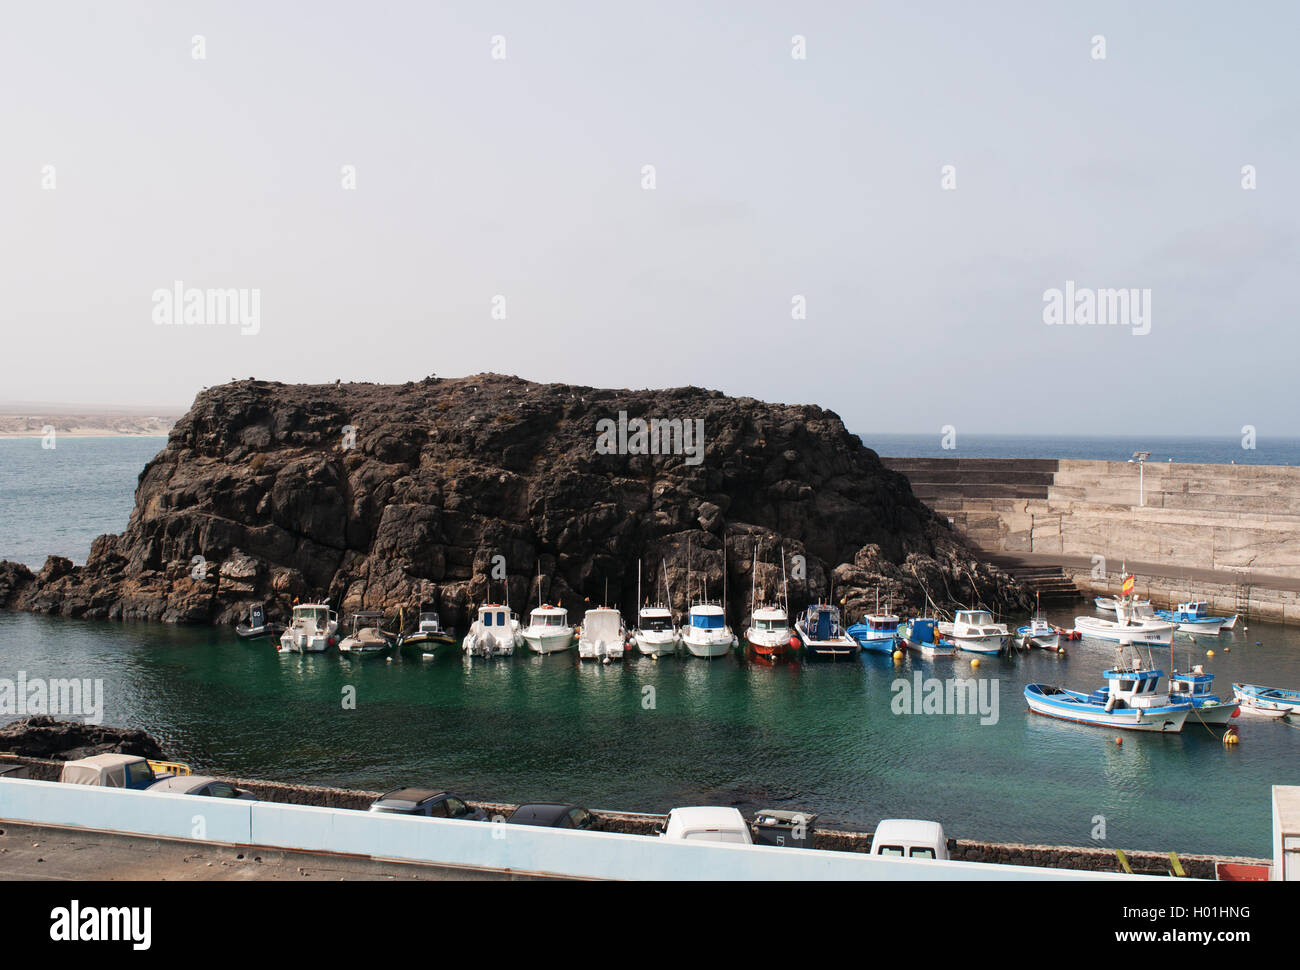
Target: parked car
[
  {"x": 910, "y": 838},
  {"x": 706, "y": 824},
  {"x": 428, "y": 802},
  {"x": 120, "y": 771},
  {"x": 552, "y": 816},
  {"x": 201, "y": 785}
]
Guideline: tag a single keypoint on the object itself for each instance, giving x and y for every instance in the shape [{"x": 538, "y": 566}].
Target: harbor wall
[
  {"x": 1085, "y": 858},
  {"x": 1230, "y": 531}
]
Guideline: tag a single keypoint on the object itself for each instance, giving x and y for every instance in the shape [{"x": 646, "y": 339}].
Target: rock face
[
  {"x": 449, "y": 493},
  {"x": 47, "y": 737}
]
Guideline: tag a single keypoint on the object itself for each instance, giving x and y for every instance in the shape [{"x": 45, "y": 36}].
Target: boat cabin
[
  {"x": 556, "y": 616},
  {"x": 315, "y": 614},
  {"x": 1195, "y": 685},
  {"x": 822, "y": 621},
  {"x": 976, "y": 620},
  {"x": 1131, "y": 686},
  {"x": 1195, "y": 610},
  {"x": 707, "y": 617},
  {"x": 882, "y": 624},
  {"x": 922, "y": 629},
  {"x": 494, "y": 615},
  {"x": 655, "y": 619},
  {"x": 430, "y": 623},
  {"x": 770, "y": 618}
]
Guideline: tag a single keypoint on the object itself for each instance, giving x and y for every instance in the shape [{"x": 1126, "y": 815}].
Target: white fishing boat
[
  {"x": 975, "y": 632},
  {"x": 655, "y": 635},
  {"x": 495, "y": 633},
  {"x": 1207, "y": 708},
  {"x": 1127, "y": 628},
  {"x": 602, "y": 635},
  {"x": 313, "y": 629},
  {"x": 706, "y": 633},
  {"x": 548, "y": 629}
]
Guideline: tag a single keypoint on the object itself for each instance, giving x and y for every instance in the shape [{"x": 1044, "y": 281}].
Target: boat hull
[
  {"x": 930, "y": 649},
  {"x": 549, "y": 642},
  {"x": 839, "y": 647},
  {"x": 601, "y": 649},
  {"x": 1266, "y": 701},
  {"x": 1213, "y": 713},
  {"x": 1157, "y": 635},
  {"x": 708, "y": 648},
  {"x": 656, "y": 644}
]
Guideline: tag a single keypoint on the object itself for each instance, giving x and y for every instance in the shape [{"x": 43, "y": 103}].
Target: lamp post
[{"x": 1140, "y": 457}]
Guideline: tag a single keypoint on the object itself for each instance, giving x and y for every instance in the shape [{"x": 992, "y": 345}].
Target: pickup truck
[{"x": 120, "y": 771}]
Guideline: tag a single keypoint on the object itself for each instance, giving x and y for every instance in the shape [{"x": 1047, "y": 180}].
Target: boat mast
[{"x": 785, "y": 585}]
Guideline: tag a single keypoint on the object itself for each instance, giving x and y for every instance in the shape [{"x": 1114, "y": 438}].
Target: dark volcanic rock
[
  {"x": 385, "y": 496},
  {"x": 47, "y": 737}
]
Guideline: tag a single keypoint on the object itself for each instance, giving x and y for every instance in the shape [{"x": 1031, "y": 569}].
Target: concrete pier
[{"x": 1229, "y": 534}]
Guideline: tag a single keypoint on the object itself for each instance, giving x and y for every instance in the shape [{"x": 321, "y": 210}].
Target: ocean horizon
[{"x": 1225, "y": 450}]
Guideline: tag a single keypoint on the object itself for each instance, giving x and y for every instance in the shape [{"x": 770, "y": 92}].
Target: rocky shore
[
  {"x": 53, "y": 739},
  {"x": 446, "y": 493}
]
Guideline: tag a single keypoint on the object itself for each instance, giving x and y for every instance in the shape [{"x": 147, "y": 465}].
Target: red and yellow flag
[{"x": 1128, "y": 585}]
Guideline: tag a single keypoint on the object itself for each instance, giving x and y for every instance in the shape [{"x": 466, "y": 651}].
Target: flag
[{"x": 1128, "y": 585}]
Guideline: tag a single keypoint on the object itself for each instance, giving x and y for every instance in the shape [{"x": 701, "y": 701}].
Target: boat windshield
[
  {"x": 656, "y": 624},
  {"x": 313, "y": 614},
  {"x": 706, "y": 621},
  {"x": 548, "y": 619},
  {"x": 769, "y": 624}
]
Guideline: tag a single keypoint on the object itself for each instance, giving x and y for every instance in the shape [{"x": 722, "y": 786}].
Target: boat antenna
[
  {"x": 724, "y": 571},
  {"x": 688, "y": 569},
  {"x": 638, "y": 585},
  {"x": 785, "y": 586}
]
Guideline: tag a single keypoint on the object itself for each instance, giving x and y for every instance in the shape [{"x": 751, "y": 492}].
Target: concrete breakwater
[
  {"x": 1228, "y": 533},
  {"x": 1087, "y": 858}
]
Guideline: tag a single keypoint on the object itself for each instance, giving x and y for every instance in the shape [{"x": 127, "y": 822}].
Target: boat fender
[{"x": 1110, "y": 703}]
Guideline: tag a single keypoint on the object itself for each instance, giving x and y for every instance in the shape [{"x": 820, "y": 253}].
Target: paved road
[{"x": 42, "y": 852}]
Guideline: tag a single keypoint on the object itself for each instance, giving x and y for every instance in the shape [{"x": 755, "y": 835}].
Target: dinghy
[
  {"x": 1266, "y": 701},
  {"x": 258, "y": 626},
  {"x": 367, "y": 638},
  {"x": 429, "y": 637}
]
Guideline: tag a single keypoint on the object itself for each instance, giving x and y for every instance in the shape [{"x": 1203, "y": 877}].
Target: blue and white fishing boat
[
  {"x": 822, "y": 634},
  {"x": 877, "y": 633},
  {"x": 1039, "y": 633},
  {"x": 1267, "y": 701},
  {"x": 1194, "y": 617},
  {"x": 1196, "y": 687},
  {"x": 922, "y": 636},
  {"x": 1130, "y": 701}
]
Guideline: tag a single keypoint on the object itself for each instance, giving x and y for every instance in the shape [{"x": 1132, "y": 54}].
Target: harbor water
[{"x": 647, "y": 735}]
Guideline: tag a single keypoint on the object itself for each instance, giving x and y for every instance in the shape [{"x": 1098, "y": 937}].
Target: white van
[
  {"x": 706, "y": 824},
  {"x": 909, "y": 838}
]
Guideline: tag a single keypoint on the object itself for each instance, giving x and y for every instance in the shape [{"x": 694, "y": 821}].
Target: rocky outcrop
[
  {"x": 47, "y": 737},
  {"x": 446, "y": 493}
]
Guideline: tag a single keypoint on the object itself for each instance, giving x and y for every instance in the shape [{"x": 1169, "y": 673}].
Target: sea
[{"x": 646, "y": 735}]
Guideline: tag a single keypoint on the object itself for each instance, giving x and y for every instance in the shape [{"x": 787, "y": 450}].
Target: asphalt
[{"x": 35, "y": 852}]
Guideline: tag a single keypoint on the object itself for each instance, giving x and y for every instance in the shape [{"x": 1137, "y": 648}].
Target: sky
[{"x": 497, "y": 216}]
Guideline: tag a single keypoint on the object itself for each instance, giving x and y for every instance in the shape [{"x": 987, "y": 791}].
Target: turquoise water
[{"x": 818, "y": 737}]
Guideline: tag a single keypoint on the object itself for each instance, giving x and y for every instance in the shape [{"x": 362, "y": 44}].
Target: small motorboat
[
  {"x": 706, "y": 633},
  {"x": 548, "y": 629},
  {"x": 1266, "y": 701},
  {"x": 1039, "y": 633},
  {"x": 877, "y": 633},
  {"x": 769, "y": 634},
  {"x": 1130, "y": 701},
  {"x": 975, "y": 632},
  {"x": 367, "y": 637},
  {"x": 1195, "y": 687},
  {"x": 313, "y": 629},
  {"x": 655, "y": 635},
  {"x": 495, "y": 633},
  {"x": 921, "y": 635},
  {"x": 258, "y": 626},
  {"x": 822, "y": 634},
  {"x": 602, "y": 635},
  {"x": 1194, "y": 618},
  {"x": 429, "y": 637}
]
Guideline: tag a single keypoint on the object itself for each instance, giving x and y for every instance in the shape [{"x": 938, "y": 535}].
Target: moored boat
[
  {"x": 1266, "y": 701},
  {"x": 1039, "y": 633},
  {"x": 974, "y": 631},
  {"x": 258, "y": 625},
  {"x": 1195, "y": 687},
  {"x": 877, "y": 633},
  {"x": 548, "y": 629},
  {"x": 311, "y": 630},
  {"x": 921, "y": 635},
  {"x": 1107, "y": 603},
  {"x": 429, "y": 637},
  {"x": 769, "y": 634},
  {"x": 822, "y": 634},
  {"x": 602, "y": 635},
  {"x": 655, "y": 635},
  {"x": 1194, "y": 617},
  {"x": 706, "y": 633},
  {"x": 495, "y": 633},
  {"x": 1131, "y": 701},
  {"x": 1127, "y": 628},
  {"x": 367, "y": 636}
]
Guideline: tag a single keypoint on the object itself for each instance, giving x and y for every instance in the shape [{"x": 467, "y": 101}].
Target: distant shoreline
[{"x": 85, "y": 433}]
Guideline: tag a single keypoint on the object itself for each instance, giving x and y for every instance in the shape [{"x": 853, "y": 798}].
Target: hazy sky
[{"x": 775, "y": 177}]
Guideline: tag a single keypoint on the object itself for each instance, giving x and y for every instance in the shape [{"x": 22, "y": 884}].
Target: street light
[{"x": 1140, "y": 457}]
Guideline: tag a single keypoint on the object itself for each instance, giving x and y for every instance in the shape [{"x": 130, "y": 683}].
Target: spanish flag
[{"x": 1128, "y": 586}]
